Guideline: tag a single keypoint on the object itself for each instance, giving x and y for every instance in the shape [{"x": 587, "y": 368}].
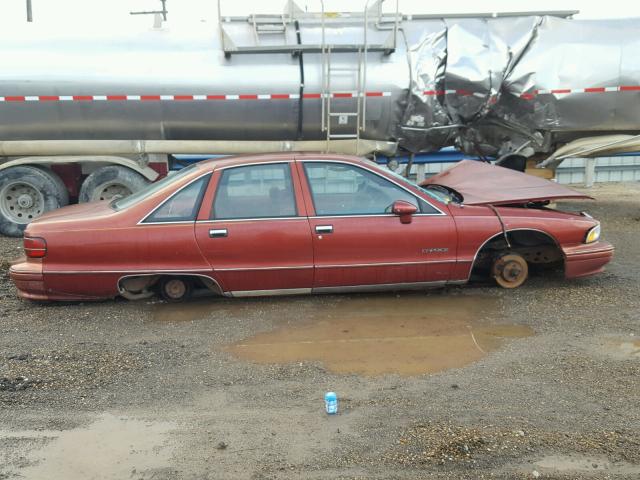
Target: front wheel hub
[{"x": 510, "y": 271}]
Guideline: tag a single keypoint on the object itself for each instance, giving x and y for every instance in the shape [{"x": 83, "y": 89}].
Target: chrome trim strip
[
  {"x": 209, "y": 172},
  {"x": 366, "y": 215},
  {"x": 251, "y": 269},
  {"x": 380, "y": 287},
  {"x": 249, "y": 219},
  {"x": 589, "y": 252},
  {"x": 426, "y": 262},
  {"x": 127, "y": 271},
  {"x": 266, "y": 162},
  {"x": 266, "y": 293},
  {"x": 182, "y": 222},
  {"x": 364, "y": 167}
]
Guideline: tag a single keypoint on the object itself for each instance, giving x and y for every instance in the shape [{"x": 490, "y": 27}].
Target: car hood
[{"x": 481, "y": 183}]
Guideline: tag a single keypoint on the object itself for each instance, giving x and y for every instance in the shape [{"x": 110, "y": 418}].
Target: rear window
[
  {"x": 182, "y": 206},
  {"x": 152, "y": 188}
]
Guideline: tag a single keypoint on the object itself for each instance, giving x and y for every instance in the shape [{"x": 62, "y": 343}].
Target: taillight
[{"x": 35, "y": 247}]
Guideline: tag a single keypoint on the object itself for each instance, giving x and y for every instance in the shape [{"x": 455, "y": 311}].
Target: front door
[
  {"x": 257, "y": 237},
  {"x": 358, "y": 242}
]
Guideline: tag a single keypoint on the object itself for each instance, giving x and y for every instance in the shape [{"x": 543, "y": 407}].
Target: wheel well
[
  {"x": 537, "y": 247},
  {"x": 133, "y": 285},
  {"x": 84, "y": 160}
]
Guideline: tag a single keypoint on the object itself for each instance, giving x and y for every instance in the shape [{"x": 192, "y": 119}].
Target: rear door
[
  {"x": 358, "y": 242},
  {"x": 255, "y": 232}
]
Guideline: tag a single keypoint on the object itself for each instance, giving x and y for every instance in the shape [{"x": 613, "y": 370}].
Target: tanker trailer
[{"x": 89, "y": 117}]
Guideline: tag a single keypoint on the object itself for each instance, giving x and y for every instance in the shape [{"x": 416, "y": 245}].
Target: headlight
[{"x": 593, "y": 234}]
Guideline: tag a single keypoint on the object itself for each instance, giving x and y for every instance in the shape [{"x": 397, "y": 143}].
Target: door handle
[
  {"x": 218, "y": 233},
  {"x": 324, "y": 228}
]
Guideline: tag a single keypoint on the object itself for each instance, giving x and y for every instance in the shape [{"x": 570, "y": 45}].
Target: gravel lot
[{"x": 146, "y": 390}]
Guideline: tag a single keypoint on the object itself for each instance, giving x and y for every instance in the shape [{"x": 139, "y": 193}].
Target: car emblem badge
[{"x": 435, "y": 250}]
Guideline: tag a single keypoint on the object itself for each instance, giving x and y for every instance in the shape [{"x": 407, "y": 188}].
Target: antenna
[{"x": 164, "y": 11}]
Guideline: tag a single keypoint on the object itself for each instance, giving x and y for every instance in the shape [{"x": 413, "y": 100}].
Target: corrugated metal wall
[{"x": 607, "y": 169}]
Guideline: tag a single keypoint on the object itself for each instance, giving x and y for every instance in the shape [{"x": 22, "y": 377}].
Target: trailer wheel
[
  {"x": 107, "y": 182},
  {"x": 26, "y": 192}
]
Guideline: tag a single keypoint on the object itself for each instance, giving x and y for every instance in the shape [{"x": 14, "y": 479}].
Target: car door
[
  {"x": 358, "y": 243},
  {"x": 255, "y": 234}
]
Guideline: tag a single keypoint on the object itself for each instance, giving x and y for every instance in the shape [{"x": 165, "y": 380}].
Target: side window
[
  {"x": 255, "y": 191},
  {"x": 182, "y": 206},
  {"x": 341, "y": 189}
]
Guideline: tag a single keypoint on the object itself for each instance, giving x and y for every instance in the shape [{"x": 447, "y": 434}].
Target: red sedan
[{"x": 302, "y": 223}]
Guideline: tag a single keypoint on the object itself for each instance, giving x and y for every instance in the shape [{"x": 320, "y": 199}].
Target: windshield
[
  {"x": 438, "y": 195},
  {"x": 134, "y": 198}
]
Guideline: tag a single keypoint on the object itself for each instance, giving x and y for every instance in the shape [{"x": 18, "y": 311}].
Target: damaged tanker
[
  {"x": 86, "y": 117},
  {"x": 501, "y": 86}
]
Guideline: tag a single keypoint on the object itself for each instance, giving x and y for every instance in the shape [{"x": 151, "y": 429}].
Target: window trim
[
  {"x": 362, "y": 167},
  {"x": 213, "y": 218},
  {"x": 177, "y": 222}
]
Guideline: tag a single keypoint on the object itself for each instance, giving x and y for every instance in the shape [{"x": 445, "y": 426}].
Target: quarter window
[
  {"x": 182, "y": 206},
  {"x": 342, "y": 189},
  {"x": 255, "y": 191}
]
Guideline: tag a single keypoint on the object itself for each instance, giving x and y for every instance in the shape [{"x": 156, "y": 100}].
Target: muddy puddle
[
  {"x": 109, "y": 448},
  {"x": 580, "y": 466},
  {"x": 408, "y": 335},
  {"x": 622, "y": 349},
  {"x": 199, "y": 309}
]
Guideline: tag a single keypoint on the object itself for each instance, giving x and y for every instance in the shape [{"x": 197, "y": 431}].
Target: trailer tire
[
  {"x": 26, "y": 192},
  {"x": 106, "y": 182}
]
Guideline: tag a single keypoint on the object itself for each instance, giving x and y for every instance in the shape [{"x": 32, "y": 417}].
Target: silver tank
[{"x": 487, "y": 85}]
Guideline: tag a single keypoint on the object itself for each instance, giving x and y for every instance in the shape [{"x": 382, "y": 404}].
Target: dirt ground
[{"x": 472, "y": 382}]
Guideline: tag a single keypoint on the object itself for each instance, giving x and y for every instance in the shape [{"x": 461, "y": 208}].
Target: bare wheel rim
[
  {"x": 175, "y": 289},
  {"x": 21, "y": 202},
  {"x": 510, "y": 271},
  {"x": 108, "y": 191}
]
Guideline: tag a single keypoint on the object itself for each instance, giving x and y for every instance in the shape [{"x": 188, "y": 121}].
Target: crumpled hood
[{"x": 481, "y": 183}]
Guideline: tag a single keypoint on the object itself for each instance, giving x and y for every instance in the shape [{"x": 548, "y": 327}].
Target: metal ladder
[
  {"x": 269, "y": 25},
  {"x": 329, "y": 115}
]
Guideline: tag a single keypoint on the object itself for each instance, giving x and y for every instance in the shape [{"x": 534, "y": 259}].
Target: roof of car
[{"x": 270, "y": 157}]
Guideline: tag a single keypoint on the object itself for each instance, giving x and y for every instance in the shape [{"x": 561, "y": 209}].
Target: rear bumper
[
  {"x": 28, "y": 279},
  {"x": 586, "y": 259}
]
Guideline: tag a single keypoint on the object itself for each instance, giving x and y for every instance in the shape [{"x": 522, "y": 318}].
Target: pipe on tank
[{"x": 133, "y": 147}]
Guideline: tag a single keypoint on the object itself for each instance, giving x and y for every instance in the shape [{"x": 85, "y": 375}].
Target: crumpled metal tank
[
  {"x": 508, "y": 82},
  {"x": 488, "y": 85}
]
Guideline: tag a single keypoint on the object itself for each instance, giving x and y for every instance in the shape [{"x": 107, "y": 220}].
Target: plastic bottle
[{"x": 331, "y": 403}]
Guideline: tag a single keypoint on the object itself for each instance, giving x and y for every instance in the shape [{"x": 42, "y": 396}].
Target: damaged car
[{"x": 307, "y": 223}]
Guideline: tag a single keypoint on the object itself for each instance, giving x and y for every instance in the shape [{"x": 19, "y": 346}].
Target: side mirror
[{"x": 404, "y": 210}]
